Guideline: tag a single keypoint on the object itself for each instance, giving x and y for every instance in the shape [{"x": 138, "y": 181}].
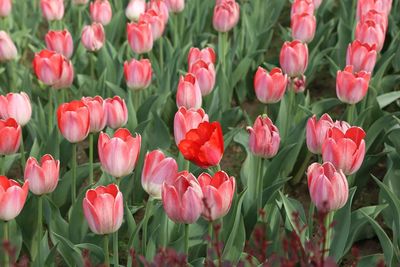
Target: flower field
[{"x": 200, "y": 133}]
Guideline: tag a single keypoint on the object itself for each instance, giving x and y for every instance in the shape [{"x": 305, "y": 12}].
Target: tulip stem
[
  {"x": 73, "y": 187},
  {"x": 105, "y": 249},
  {"x": 40, "y": 228},
  {"x": 259, "y": 183},
  {"x": 210, "y": 243},
  {"x": 147, "y": 215},
  {"x": 351, "y": 114},
  {"x": 328, "y": 235},
  {"x": 22, "y": 151},
  {"x": 161, "y": 48},
  {"x": 187, "y": 240},
  {"x": 5, "y": 240},
  {"x": 300, "y": 173},
  {"x": 91, "y": 158},
  {"x": 115, "y": 248},
  {"x": 2, "y": 163},
  {"x": 50, "y": 111}
]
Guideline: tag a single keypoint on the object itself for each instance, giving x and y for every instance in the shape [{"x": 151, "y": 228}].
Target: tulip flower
[
  {"x": 302, "y": 6},
  {"x": 140, "y": 37},
  {"x": 351, "y": 87},
  {"x": 270, "y": 87},
  {"x": 205, "y": 76},
  {"x": 188, "y": 93},
  {"x": 298, "y": 84},
  {"x": 345, "y": 149},
  {"x": 93, "y": 37},
  {"x": 16, "y": 106},
  {"x": 328, "y": 186},
  {"x": 103, "y": 208},
  {"x": 226, "y": 15},
  {"x": 361, "y": 56},
  {"x": 12, "y": 198},
  {"x": 100, "y": 11},
  {"x": 156, "y": 22},
  {"x": 60, "y": 42},
  {"x": 218, "y": 193},
  {"x": 371, "y": 33},
  {"x": 43, "y": 176},
  {"x": 303, "y": 27},
  {"x": 138, "y": 73},
  {"x": 294, "y": 58},
  {"x": 118, "y": 155},
  {"x": 317, "y": 132},
  {"x": 158, "y": 169},
  {"x": 364, "y": 6},
  {"x": 206, "y": 54},
  {"x": 5, "y": 8},
  {"x": 183, "y": 199},
  {"x": 52, "y": 9},
  {"x": 204, "y": 145},
  {"x": 98, "y": 116},
  {"x": 8, "y": 51},
  {"x": 135, "y": 8},
  {"x": 73, "y": 120},
  {"x": 186, "y": 120},
  {"x": 264, "y": 138},
  {"x": 117, "y": 112},
  {"x": 378, "y": 17},
  {"x": 175, "y": 6},
  {"x": 10, "y": 136},
  {"x": 317, "y": 3},
  {"x": 161, "y": 8}
]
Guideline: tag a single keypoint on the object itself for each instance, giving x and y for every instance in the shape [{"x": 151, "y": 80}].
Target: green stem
[
  {"x": 2, "y": 163},
  {"x": 289, "y": 108},
  {"x": 22, "y": 152},
  {"x": 351, "y": 114},
  {"x": 73, "y": 188},
  {"x": 165, "y": 231},
  {"x": 136, "y": 100},
  {"x": 210, "y": 244},
  {"x": 106, "y": 252},
  {"x": 5, "y": 239},
  {"x": 259, "y": 183},
  {"x": 225, "y": 91},
  {"x": 91, "y": 158},
  {"x": 50, "y": 115},
  {"x": 300, "y": 173},
  {"x": 40, "y": 228},
  {"x": 187, "y": 239},
  {"x": 176, "y": 30},
  {"x": 161, "y": 48},
  {"x": 328, "y": 237},
  {"x": 147, "y": 215},
  {"x": 115, "y": 249},
  {"x": 10, "y": 73}
]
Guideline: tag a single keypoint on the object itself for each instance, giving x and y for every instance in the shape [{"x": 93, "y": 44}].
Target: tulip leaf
[
  {"x": 76, "y": 234},
  {"x": 70, "y": 253},
  {"x": 385, "y": 100},
  {"x": 94, "y": 251}
]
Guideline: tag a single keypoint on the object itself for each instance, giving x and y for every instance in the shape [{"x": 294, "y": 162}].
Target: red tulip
[
  {"x": 160, "y": 6},
  {"x": 204, "y": 145},
  {"x": 118, "y": 155},
  {"x": 175, "y": 6},
  {"x": 351, "y": 87},
  {"x": 206, "y": 54},
  {"x": 188, "y": 93},
  {"x": 226, "y": 15},
  {"x": 43, "y": 176},
  {"x": 158, "y": 169},
  {"x": 100, "y": 11},
  {"x": 371, "y": 33},
  {"x": 270, "y": 87},
  {"x": 183, "y": 199},
  {"x": 103, "y": 208},
  {"x": 328, "y": 187},
  {"x": 52, "y": 9},
  {"x": 217, "y": 194},
  {"x": 12, "y": 198},
  {"x": 73, "y": 120},
  {"x": 205, "y": 76},
  {"x": 345, "y": 149},
  {"x": 93, "y": 37},
  {"x": 302, "y": 6},
  {"x": 97, "y": 111},
  {"x": 135, "y": 8},
  {"x": 186, "y": 120},
  {"x": 16, "y": 106},
  {"x": 60, "y": 42},
  {"x": 8, "y": 51},
  {"x": 138, "y": 73},
  {"x": 361, "y": 56},
  {"x": 317, "y": 132},
  {"x": 264, "y": 138},
  {"x": 10, "y": 136},
  {"x": 117, "y": 112},
  {"x": 294, "y": 58},
  {"x": 140, "y": 37},
  {"x": 156, "y": 22},
  {"x": 303, "y": 27},
  {"x": 5, "y": 8}
]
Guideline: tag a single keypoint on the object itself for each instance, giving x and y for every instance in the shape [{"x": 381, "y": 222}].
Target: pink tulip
[
  {"x": 5, "y": 8},
  {"x": 52, "y": 9},
  {"x": 294, "y": 58},
  {"x": 226, "y": 15},
  {"x": 264, "y": 138},
  {"x": 361, "y": 56},
  {"x": 345, "y": 149},
  {"x": 100, "y": 11},
  {"x": 93, "y": 37},
  {"x": 156, "y": 22},
  {"x": 298, "y": 84},
  {"x": 16, "y": 106},
  {"x": 205, "y": 76},
  {"x": 183, "y": 199},
  {"x": 73, "y": 120},
  {"x": 43, "y": 176},
  {"x": 161, "y": 8},
  {"x": 206, "y": 54},
  {"x": 186, "y": 120},
  {"x": 118, "y": 155},
  {"x": 8, "y": 51},
  {"x": 60, "y": 42},
  {"x": 188, "y": 93},
  {"x": 302, "y": 6},
  {"x": 317, "y": 132},
  {"x": 378, "y": 17},
  {"x": 218, "y": 194},
  {"x": 270, "y": 87},
  {"x": 175, "y": 6},
  {"x": 328, "y": 187},
  {"x": 117, "y": 112},
  {"x": 135, "y": 8},
  {"x": 158, "y": 169},
  {"x": 351, "y": 87},
  {"x": 140, "y": 37},
  {"x": 138, "y": 73},
  {"x": 371, "y": 33},
  {"x": 10, "y": 136},
  {"x": 97, "y": 111},
  {"x": 12, "y": 198},
  {"x": 364, "y": 6},
  {"x": 303, "y": 27},
  {"x": 103, "y": 208},
  {"x": 317, "y": 3}
]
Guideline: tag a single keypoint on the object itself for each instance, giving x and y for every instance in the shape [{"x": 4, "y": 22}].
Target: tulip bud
[
  {"x": 378, "y": 17},
  {"x": 140, "y": 37},
  {"x": 8, "y": 51},
  {"x": 186, "y": 120},
  {"x": 156, "y": 22},
  {"x": 206, "y": 54},
  {"x": 361, "y": 56},
  {"x": 117, "y": 112},
  {"x": 138, "y": 73},
  {"x": 98, "y": 116},
  {"x": 205, "y": 76},
  {"x": 100, "y": 11},
  {"x": 264, "y": 138},
  {"x": 93, "y": 37},
  {"x": 161, "y": 8},
  {"x": 351, "y": 87},
  {"x": 317, "y": 131},
  {"x": 303, "y": 27},
  {"x": 302, "y": 6},
  {"x": 10, "y": 136},
  {"x": 60, "y": 42},
  {"x": 175, "y": 6},
  {"x": 188, "y": 93},
  {"x": 5, "y": 8},
  {"x": 270, "y": 87},
  {"x": 135, "y": 8},
  {"x": 294, "y": 58},
  {"x": 52, "y": 9},
  {"x": 73, "y": 120},
  {"x": 298, "y": 84},
  {"x": 226, "y": 15},
  {"x": 16, "y": 106},
  {"x": 13, "y": 197},
  {"x": 371, "y": 33},
  {"x": 364, "y": 6}
]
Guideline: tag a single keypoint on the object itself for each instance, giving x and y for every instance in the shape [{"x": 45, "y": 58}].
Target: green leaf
[
  {"x": 70, "y": 253},
  {"x": 385, "y": 100}
]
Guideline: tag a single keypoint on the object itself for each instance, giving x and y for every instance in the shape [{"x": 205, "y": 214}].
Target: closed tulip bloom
[
  {"x": 188, "y": 94},
  {"x": 16, "y": 106},
  {"x": 158, "y": 169},
  {"x": 8, "y": 51},
  {"x": 10, "y": 136},
  {"x": 175, "y": 6},
  {"x": 12, "y": 198},
  {"x": 138, "y": 73},
  {"x": 67, "y": 75},
  {"x": 52, "y": 9},
  {"x": 103, "y": 208},
  {"x": 140, "y": 37},
  {"x": 303, "y": 27},
  {"x": 204, "y": 145},
  {"x": 328, "y": 187},
  {"x": 73, "y": 120},
  {"x": 302, "y": 6},
  {"x": 371, "y": 33},
  {"x": 264, "y": 138},
  {"x": 317, "y": 3},
  {"x": 270, "y": 87},
  {"x": 351, "y": 87},
  {"x": 206, "y": 54},
  {"x": 43, "y": 176},
  {"x": 377, "y": 17},
  {"x": 205, "y": 76},
  {"x": 161, "y": 8},
  {"x": 298, "y": 84},
  {"x": 97, "y": 111},
  {"x": 118, "y": 155},
  {"x": 60, "y": 42},
  {"x": 218, "y": 193},
  {"x": 364, "y": 6},
  {"x": 345, "y": 149},
  {"x": 156, "y": 22},
  {"x": 317, "y": 132},
  {"x": 93, "y": 37},
  {"x": 117, "y": 112},
  {"x": 100, "y": 11},
  {"x": 135, "y": 8},
  {"x": 80, "y": 2},
  {"x": 186, "y": 120},
  {"x": 183, "y": 199},
  {"x": 5, "y": 7},
  {"x": 361, "y": 56},
  {"x": 226, "y": 15},
  {"x": 294, "y": 58}
]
